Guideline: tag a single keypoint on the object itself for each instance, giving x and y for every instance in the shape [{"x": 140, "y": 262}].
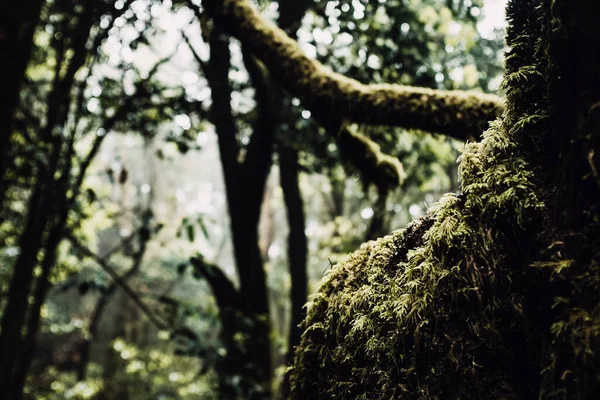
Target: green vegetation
[{"x": 179, "y": 178}]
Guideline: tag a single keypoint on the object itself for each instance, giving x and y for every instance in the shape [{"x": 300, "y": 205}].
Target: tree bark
[
  {"x": 297, "y": 248},
  {"x": 377, "y": 225},
  {"x": 244, "y": 189},
  {"x": 17, "y": 25}
]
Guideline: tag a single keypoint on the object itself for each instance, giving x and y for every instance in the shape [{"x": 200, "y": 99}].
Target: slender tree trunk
[
  {"x": 16, "y": 307},
  {"x": 377, "y": 226},
  {"x": 244, "y": 196},
  {"x": 297, "y": 249},
  {"x": 34, "y": 320},
  {"x": 85, "y": 346},
  {"x": 57, "y": 219},
  {"x": 290, "y": 18},
  {"x": 18, "y": 21}
]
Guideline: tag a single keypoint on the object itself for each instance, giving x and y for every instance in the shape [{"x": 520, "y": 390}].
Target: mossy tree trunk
[{"x": 494, "y": 293}]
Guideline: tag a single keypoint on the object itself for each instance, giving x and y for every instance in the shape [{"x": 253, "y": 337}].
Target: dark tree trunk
[
  {"x": 290, "y": 18},
  {"x": 377, "y": 225},
  {"x": 16, "y": 308},
  {"x": 297, "y": 249},
  {"x": 244, "y": 183},
  {"x": 18, "y": 21}
]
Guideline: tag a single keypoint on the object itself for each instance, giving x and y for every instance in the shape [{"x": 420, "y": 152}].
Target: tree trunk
[
  {"x": 244, "y": 197},
  {"x": 496, "y": 292},
  {"x": 15, "y": 311},
  {"x": 290, "y": 19},
  {"x": 17, "y": 25},
  {"x": 297, "y": 249},
  {"x": 377, "y": 225}
]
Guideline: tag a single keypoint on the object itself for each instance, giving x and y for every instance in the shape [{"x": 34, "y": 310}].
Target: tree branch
[
  {"x": 458, "y": 114},
  {"x": 363, "y": 154},
  {"x": 119, "y": 280},
  {"x": 85, "y": 346},
  {"x": 226, "y": 295},
  {"x": 259, "y": 152}
]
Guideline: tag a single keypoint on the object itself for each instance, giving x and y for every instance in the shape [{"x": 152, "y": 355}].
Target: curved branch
[
  {"x": 361, "y": 153},
  {"x": 259, "y": 152},
  {"x": 458, "y": 114},
  {"x": 224, "y": 291}
]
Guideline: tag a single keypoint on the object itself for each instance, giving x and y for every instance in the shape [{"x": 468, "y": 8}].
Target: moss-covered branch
[
  {"x": 375, "y": 167},
  {"x": 458, "y": 114}
]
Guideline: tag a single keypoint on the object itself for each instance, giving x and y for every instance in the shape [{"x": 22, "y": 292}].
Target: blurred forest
[{"x": 166, "y": 207}]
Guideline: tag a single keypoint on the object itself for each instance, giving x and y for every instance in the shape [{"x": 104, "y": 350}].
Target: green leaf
[{"x": 191, "y": 234}]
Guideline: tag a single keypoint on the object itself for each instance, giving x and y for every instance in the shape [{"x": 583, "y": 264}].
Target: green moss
[
  {"x": 440, "y": 310},
  {"x": 427, "y": 312},
  {"x": 495, "y": 294},
  {"x": 365, "y": 156}
]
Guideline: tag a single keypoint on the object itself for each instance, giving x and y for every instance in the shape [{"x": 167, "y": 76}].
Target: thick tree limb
[
  {"x": 224, "y": 291},
  {"x": 458, "y": 114}
]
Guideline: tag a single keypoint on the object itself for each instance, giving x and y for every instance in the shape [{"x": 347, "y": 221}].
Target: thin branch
[
  {"x": 84, "y": 349},
  {"x": 195, "y": 54},
  {"x": 119, "y": 280},
  {"x": 122, "y": 244}
]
